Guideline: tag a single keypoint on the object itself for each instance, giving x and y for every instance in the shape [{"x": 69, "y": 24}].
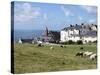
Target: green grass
[{"x": 30, "y": 58}]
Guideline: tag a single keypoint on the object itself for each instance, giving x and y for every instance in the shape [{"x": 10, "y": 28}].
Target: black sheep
[
  {"x": 79, "y": 54},
  {"x": 61, "y": 46},
  {"x": 81, "y": 48},
  {"x": 39, "y": 45}
]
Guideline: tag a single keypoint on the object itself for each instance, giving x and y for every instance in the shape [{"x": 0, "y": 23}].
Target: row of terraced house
[{"x": 84, "y": 32}]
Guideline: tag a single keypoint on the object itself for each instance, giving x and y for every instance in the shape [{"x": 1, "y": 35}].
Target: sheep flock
[
  {"x": 83, "y": 54},
  {"x": 87, "y": 54}
]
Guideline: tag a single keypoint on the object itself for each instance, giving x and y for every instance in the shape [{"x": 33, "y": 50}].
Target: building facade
[{"x": 86, "y": 33}]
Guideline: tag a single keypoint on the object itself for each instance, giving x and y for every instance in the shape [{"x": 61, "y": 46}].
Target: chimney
[
  {"x": 82, "y": 23},
  {"x": 71, "y": 25}
]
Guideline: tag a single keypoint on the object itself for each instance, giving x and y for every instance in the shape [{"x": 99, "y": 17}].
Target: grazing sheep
[
  {"x": 79, "y": 54},
  {"x": 81, "y": 47},
  {"x": 61, "y": 46},
  {"x": 39, "y": 45},
  {"x": 87, "y": 53},
  {"x": 51, "y": 47},
  {"x": 93, "y": 56}
]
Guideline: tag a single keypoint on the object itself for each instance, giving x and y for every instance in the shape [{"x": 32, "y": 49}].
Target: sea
[{"x": 27, "y": 34}]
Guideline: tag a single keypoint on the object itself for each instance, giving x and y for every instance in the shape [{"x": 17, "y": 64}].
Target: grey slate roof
[{"x": 73, "y": 27}]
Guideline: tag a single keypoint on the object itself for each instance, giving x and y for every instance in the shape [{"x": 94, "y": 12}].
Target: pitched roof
[{"x": 78, "y": 27}]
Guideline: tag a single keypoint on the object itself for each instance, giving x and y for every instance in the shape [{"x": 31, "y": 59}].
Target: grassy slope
[{"x": 30, "y": 58}]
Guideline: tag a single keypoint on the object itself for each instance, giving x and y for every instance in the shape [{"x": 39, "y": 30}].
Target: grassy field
[{"x": 30, "y": 58}]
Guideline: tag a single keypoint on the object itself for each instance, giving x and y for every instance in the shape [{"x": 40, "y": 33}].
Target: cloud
[
  {"x": 92, "y": 21},
  {"x": 25, "y": 12},
  {"x": 80, "y": 18},
  {"x": 66, "y": 11},
  {"x": 89, "y": 9}
]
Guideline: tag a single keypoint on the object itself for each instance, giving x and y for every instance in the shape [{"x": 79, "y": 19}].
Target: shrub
[
  {"x": 71, "y": 42},
  {"x": 79, "y": 42},
  {"x": 64, "y": 43},
  {"x": 95, "y": 41}
]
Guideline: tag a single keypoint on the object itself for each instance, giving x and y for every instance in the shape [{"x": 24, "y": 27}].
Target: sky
[{"x": 38, "y": 16}]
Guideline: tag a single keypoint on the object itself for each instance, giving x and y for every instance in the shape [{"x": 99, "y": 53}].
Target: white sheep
[
  {"x": 51, "y": 47},
  {"x": 87, "y": 53},
  {"x": 93, "y": 56}
]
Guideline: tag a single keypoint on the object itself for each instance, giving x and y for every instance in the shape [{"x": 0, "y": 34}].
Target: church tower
[{"x": 46, "y": 31}]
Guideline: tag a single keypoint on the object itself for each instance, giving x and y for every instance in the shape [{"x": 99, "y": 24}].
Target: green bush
[
  {"x": 71, "y": 42},
  {"x": 79, "y": 42},
  {"x": 95, "y": 41},
  {"x": 64, "y": 43}
]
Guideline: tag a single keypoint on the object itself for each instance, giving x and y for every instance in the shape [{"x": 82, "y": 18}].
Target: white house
[
  {"x": 69, "y": 35},
  {"x": 86, "y": 33}
]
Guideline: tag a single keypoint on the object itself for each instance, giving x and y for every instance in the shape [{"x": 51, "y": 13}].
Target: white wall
[
  {"x": 76, "y": 31},
  {"x": 66, "y": 35},
  {"x": 92, "y": 39},
  {"x": 76, "y": 38},
  {"x": 63, "y": 36}
]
